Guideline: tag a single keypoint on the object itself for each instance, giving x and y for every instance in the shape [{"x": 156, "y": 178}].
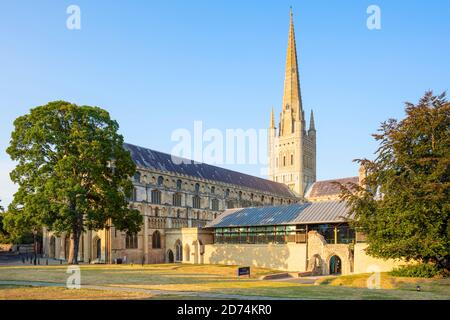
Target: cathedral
[{"x": 199, "y": 213}]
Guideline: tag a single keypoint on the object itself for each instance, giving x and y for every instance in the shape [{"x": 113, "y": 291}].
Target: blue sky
[{"x": 161, "y": 65}]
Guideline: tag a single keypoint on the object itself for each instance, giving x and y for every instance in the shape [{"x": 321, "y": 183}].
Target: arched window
[
  {"x": 196, "y": 202},
  {"x": 230, "y": 204},
  {"x": 197, "y": 188},
  {"x": 284, "y": 161},
  {"x": 227, "y": 193},
  {"x": 137, "y": 177},
  {"x": 178, "y": 213},
  {"x": 160, "y": 181},
  {"x": 213, "y": 190},
  {"x": 179, "y": 184},
  {"x": 131, "y": 241},
  {"x": 215, "y": 204},
  {"x": 271, "y": 201},
  {"x": 156, "y": 240},
  {"x": 292, "y": 159},
  {"x": 177, "y": 199},
  {"x": 178, "y": 251},
  {"x": 262, "y": 199},
  {"x": 240, "y": 195},
  {"x": 156, "y": 196},
  {"x": 156, "y": 212}
]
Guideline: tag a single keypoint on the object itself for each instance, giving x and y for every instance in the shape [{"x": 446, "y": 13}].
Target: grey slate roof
[
  {"x": 152, "y": 159},
  {"x": 304, "y": 213},
  {"x": 329, "y": 188}
]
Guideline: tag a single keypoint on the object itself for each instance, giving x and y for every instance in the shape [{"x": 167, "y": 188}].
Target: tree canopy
[
  {"x": 73, "y": 172},
  {"x": 404, "y": 205}
]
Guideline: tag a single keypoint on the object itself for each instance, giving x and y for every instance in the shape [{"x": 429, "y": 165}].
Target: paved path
[{"x": 205, "y": 295}]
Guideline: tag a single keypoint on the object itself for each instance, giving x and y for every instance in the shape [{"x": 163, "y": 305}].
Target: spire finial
[
  {"x": 311, "y": 121},
  {"x": 291, "y": 95},
  {"x": 272, "y": 119}
]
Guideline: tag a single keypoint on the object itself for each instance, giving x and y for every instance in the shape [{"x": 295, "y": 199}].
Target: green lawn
[{"x": 178, "y": 278}]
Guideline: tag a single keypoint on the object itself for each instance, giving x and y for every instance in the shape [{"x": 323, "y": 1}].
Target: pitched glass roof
[{"x": 305, "y": 213}]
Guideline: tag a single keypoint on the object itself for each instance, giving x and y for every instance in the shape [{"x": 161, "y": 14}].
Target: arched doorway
[
  {"x": 170, "y": 256},
  {"x": 52, "y": 249},
  {"x": 315, "y": 265},
  {"x": 335, "y": 265}
]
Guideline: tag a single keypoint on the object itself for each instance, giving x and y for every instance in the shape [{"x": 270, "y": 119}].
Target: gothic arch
[
  {"x": 170, "y": 257},
  {"x": 156, "y": 240},
  {"x": 178, "y": 251},
  {"x": 335, "y": 263}
]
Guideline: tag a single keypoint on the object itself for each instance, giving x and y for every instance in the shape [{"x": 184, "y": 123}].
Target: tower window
[
  {"x": 284, "y": 161},
  {"x": 292, "y": 159}
]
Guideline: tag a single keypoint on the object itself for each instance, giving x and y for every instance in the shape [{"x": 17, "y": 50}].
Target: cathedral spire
[
  {"x": 292, "y": 97},
  {"x": 272, "y": 119},
  {"x": 311, "y": 122}
]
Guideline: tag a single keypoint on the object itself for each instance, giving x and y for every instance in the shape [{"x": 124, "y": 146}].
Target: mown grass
[{"x": 178, "y": 278}]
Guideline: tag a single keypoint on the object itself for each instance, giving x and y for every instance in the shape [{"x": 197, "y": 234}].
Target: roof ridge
[
  {"x": 338, "y": 179},
  {"x": 187, "y": 161}
]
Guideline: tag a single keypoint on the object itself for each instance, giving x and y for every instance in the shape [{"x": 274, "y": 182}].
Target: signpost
[{"x": 244, "y": 271}]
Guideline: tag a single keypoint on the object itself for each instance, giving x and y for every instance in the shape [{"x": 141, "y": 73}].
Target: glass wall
[
  {"x": 335, "y": 233},
  {"x": 255, "y": 235},
  {"x": 283, "y": 234}
]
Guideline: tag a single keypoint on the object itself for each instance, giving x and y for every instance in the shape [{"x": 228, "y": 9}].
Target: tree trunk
[{"x": 75, "y": 240}]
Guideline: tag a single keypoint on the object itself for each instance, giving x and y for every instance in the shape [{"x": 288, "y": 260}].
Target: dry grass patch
[{"x": 58, "y": 293}]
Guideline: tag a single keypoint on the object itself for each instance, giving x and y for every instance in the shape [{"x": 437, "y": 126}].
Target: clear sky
[{"x": 160, "y": 65}]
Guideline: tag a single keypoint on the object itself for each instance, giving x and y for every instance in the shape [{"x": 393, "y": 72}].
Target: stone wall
[
  {"x": 286, "y": 257},
  {"x": 367, "y": 264}
]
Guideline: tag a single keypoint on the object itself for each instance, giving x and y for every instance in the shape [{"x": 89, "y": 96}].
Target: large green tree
[
  {"x": 73, "y": 173},
  {"x": 404, "y": 207}
]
